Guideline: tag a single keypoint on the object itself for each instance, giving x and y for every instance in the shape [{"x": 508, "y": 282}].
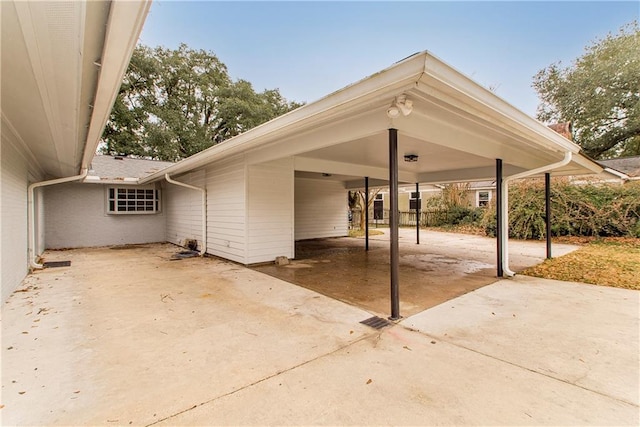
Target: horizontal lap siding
[
  {"x": 13, "y": 215},
  {"x": 321, "y": 209},
  {"x": 184, "y": 209},
  {"x": 270, "y": 211},
  {"x": 226, "y": 222},
  {"x": 76, "y": 216}
]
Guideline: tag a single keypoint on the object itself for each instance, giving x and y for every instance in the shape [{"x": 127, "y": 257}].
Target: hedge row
[{"x": 593, "y": 209}]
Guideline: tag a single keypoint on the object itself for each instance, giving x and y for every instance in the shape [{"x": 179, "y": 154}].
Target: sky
[{"x": 310, "y": 49}]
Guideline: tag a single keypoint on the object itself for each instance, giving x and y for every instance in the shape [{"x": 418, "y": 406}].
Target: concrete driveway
[{"x": 127, "y": 337}]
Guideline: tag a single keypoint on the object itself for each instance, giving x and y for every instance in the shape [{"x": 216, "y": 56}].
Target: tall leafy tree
[
  {"x": 174, "y": 103},
  {"x": 599, "y": 93}
]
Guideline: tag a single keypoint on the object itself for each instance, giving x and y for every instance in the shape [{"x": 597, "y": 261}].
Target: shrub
[{"x": 594, "y": 209}]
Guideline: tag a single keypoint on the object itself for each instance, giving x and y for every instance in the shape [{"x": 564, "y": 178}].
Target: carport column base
[{"x": 394, "y": 258}]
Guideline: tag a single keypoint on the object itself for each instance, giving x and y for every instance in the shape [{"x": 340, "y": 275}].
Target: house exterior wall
[
  {"x": 270, "y": 211},
  {"x": 183, "y": 209},
  {"x": 226, "y": 214},
  {"x": 76, "y": 216},
  {"x": 321, "y": 209},
  {"x": 14, "y": 181}
]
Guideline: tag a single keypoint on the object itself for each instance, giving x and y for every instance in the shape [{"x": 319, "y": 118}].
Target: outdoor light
[
  {"x": 410, "y": 158},
  {"x": 400, "y": 105}
]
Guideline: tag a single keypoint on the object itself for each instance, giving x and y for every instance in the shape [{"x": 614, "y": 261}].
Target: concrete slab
[
  {"x": 404, "y": 378},
  {"x": 126, "y": 337},
  {"x": 582, "y": 334}
]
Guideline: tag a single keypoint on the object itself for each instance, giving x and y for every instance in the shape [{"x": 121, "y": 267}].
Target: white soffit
[{"x": 51, "y": 54}]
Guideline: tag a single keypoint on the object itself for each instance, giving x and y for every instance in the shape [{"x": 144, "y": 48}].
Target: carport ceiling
[{"x": 456, "y": 127}]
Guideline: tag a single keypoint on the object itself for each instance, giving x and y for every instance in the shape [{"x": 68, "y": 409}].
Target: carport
[{"x": 419, "y": 121}]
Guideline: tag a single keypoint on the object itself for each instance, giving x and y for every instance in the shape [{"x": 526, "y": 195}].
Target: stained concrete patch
[{"x": 441, "y": 267}]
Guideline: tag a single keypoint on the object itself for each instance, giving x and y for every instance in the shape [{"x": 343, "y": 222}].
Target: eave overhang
[{"x": 457, "y": 127}]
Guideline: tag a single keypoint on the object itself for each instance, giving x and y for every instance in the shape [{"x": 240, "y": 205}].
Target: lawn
[{"x": 609, "y": 262}]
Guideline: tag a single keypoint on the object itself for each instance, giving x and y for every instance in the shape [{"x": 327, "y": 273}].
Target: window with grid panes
[{"x": 125, "y": 200}]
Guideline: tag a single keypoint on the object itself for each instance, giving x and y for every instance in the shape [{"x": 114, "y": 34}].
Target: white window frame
[
  {"x": 133, "y": 200},
  {"x": 489, "y": 197}
]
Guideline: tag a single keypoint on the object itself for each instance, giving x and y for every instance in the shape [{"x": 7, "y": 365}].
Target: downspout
[
  {"x": 505, "y": 204},
  {"x": 31, "y": 229},
  {"x": 203, "y": 249}
]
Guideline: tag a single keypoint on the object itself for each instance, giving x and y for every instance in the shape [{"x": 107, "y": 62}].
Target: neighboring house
[
  {"x": 629, "y": 166},
  {"x": 107, "y": 207}
]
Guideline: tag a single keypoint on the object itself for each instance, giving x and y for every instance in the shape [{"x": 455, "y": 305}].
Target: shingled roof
[
  {"x": 627, "y": 165},
  {"x": 119, "y": 168}
]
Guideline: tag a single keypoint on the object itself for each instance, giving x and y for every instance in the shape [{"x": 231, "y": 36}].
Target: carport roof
[{"x": 457, "y": 128}]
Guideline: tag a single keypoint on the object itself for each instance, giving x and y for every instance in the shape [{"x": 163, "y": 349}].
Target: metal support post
[
  {"x": 547, "y": 213},
  {"x": 499, "y": 230},
  {"x": 366, "y": 213},
  {"x": 418, "y": 201},
  {"x": 394, "y": 259}
]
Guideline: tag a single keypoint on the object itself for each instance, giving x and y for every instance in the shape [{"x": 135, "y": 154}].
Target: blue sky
[{"x": 310, "y": 49}]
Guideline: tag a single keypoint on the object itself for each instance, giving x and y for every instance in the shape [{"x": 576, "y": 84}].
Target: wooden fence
[{"x": 428, "y": 218}]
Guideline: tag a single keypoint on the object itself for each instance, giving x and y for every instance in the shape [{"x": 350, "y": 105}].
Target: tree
[
  {"x": 175, "y": 103},
  {"x": 357, "y": 201},
  {"x": 599, "y": 94}
]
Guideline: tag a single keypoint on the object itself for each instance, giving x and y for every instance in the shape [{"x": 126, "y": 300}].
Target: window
[
  {"x": 483, "y": 198},
  {"x": 378, "y": 207},
  {"x": 128, "y": 200},
  {"x": 414, "y": 201}
]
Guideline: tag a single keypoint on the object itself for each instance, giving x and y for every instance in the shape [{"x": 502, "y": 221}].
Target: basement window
[{"x": 126, "y": 200}]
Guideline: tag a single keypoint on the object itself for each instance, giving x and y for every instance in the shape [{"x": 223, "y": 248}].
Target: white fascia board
[
  {"x": 579, "y": 165},
  {"x": 126, "y": 19},
  {"x": 615, "y": 173},
  {"x": 340, "y": 104}
]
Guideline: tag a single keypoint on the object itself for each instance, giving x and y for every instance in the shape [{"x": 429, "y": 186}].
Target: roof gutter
[
  {"x": 31, "y": 228},
  {"x": 568, "y": 155},
  {"x": 203, "y": 249}
]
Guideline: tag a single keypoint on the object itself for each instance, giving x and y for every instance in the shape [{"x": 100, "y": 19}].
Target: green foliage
[
  {"x": 599, "y": 94},
  {"x": 175, "y": 103},
  {"x": 577, "y": 210}
]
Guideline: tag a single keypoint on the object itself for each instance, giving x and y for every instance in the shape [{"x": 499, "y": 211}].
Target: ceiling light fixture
[
  {"x": 400, "y": 105},
  {"x": 410, "y": 158}
]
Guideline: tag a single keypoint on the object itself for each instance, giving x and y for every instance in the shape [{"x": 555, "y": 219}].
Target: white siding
[
  {"x": 183, "y": 209},
  {"x": 321, "y": 209},
  {"x": 226, "y": 216},
  {"x": 270, "y": 211},
  {"x": 13, "y": 214},
  {"x": 76, "y": 216}
]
